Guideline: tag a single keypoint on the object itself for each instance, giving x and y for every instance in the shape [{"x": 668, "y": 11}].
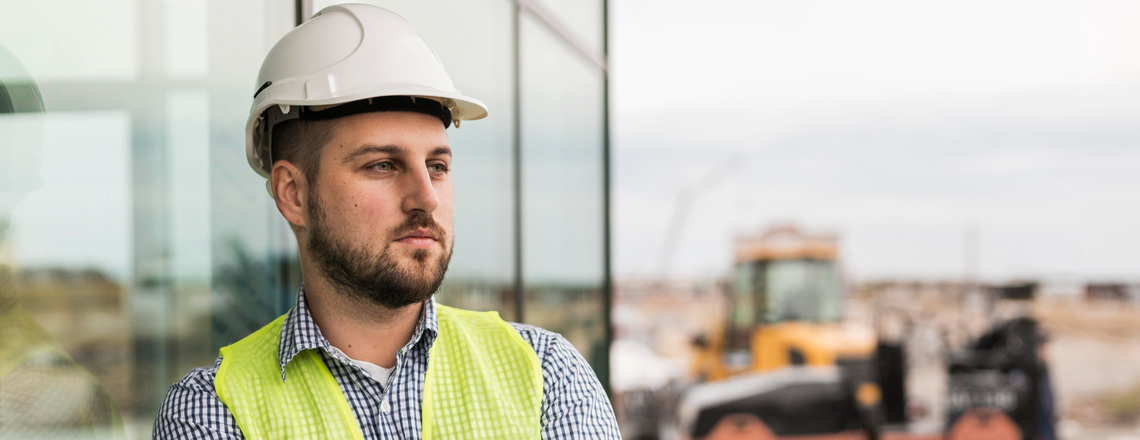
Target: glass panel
[
  {"x": 66, "y": 347},
  {"x": 744, "y": 308},
  {"x": 562, "y": 143},
  {"x": 188, "y": 133},
  {"x": 743, "y": 311},
  {"x": 481, "y": 273},
  {"x": 253, "y": 253},
  {"x": 121, "y": 195},
  {"x": 582, "y": 19},
  {"x": 74, "y": 40},
  {"x": 83, "y": 173},
  {"x": 186, "y": 29}
]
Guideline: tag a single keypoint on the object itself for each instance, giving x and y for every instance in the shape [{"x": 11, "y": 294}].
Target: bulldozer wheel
[
  {"x": 984, "y": 424},
  {"x": 740, "y": 427},
  {"x": 750, "y": 427}
]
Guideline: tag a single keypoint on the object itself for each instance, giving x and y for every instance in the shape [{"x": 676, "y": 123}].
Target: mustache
[{"x": 420, "y": 220}]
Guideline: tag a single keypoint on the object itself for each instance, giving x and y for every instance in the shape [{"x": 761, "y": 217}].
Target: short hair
[{"x": 300, "y": 142}]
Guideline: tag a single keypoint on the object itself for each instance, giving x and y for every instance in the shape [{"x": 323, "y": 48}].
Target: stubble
[{"x": 359, "y": 272}]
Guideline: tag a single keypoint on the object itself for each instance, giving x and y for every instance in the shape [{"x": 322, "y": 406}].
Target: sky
[{"x": 901, "y": 126}]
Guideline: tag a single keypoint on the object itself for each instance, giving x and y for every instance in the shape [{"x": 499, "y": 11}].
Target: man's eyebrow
[
  {"x": 440, "y": 151},
  {"x": 389, "y": 150},
  {"x": 371, "y": 149}
]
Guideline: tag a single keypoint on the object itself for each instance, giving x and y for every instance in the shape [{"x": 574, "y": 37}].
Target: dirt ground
[{"x": 1093, "y": 353}]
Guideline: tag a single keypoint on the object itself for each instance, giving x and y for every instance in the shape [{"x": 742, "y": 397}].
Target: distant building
[{"x": 1107, "y": 291}]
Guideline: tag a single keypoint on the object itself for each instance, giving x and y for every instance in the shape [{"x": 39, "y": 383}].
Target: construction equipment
[
  {"x": 785, "y": 365},
  {"x": 999, "y": 384}
]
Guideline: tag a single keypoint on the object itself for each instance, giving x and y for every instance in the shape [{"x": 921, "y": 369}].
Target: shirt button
[{"x": 385, "y": 407}]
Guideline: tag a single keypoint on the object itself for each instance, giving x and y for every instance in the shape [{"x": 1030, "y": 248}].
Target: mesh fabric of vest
[
  {"x": 483, "y": 381},
  {"x": 307, "y": 405}
]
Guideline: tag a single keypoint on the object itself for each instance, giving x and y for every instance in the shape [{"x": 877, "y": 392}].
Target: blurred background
[{"x": 919, "y": 219}]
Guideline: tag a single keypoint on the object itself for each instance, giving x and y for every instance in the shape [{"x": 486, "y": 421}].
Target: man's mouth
[{"x": 422, "y": 237}]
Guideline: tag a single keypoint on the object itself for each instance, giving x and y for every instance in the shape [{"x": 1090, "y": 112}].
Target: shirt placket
[
  {"x": 384, "y": 421},
  {"x": 379, "y": 403},
  {"x": 404, "y": 385}
]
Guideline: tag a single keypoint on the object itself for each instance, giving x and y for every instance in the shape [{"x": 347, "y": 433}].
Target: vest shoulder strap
[
  {"x": 308, "y": 404},
  {"x": 483, "y": 380}
]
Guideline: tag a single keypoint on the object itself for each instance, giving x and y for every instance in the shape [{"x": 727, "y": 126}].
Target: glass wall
[
  {"x": 562, "y": 205},
  {"x": 135, "y": 240},
  {"x": 143, "y": 220}
]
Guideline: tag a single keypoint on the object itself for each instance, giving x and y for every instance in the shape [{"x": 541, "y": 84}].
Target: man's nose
[{"x": 420, "y": 191}]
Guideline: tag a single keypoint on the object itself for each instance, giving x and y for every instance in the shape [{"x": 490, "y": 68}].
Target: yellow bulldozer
[{"x": 784, "y": 365}]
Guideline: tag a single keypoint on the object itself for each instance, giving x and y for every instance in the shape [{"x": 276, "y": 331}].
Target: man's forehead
[{"x": 389, "y": 133}]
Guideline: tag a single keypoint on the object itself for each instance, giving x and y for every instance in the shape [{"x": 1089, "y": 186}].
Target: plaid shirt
[{"x": 573, "y": 402}]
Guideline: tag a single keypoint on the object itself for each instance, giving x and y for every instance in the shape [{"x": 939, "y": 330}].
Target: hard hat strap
[{"x": 269, "y": 118}]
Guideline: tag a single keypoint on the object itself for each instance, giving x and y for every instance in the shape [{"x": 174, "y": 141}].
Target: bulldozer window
[
  {"x": 802, "y": 290},
  {"x": 746, "y": 308}
]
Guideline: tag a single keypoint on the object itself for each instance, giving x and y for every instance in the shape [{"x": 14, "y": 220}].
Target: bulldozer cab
[
  {"x": 784, "y": 361},
  {"x": 773, "y": 291},
  {"x": 786, "y": 307}
]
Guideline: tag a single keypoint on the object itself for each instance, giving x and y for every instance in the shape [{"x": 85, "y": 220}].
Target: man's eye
[
  {"x": 382, "y": 166},
  {"x": 438, "y": 167}
]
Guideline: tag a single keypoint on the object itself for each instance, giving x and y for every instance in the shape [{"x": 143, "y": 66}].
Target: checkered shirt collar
[{"x": 300, "y": 333}]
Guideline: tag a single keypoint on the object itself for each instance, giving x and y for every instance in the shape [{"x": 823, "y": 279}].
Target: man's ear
[{"x": 290, "y": 191}]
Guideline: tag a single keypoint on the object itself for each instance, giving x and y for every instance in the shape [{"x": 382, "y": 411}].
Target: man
[{"x": 349, "y": 126}]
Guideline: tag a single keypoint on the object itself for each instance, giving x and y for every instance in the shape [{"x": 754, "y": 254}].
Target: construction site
[{"x": 790, "y": 348}]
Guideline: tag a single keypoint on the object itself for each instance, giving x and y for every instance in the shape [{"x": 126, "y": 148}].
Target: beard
[{"x": 377, "y": 277}]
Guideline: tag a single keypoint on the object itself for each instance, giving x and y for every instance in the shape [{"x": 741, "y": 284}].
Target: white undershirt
[{"x": 377, "y": 372}]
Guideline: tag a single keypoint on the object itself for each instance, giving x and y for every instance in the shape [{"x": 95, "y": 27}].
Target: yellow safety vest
[{"x": 483, "y": 381}]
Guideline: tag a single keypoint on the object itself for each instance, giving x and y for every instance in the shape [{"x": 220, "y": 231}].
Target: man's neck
[{"x": 362, "y": 330}]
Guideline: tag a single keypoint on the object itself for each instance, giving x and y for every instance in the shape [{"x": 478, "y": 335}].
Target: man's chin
[
  {"x": 422, "y": 264},
  {"x": 415, "y": 259}
]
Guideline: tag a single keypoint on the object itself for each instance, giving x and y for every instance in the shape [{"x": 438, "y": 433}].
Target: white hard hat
[{"x": 347, "y": 53}]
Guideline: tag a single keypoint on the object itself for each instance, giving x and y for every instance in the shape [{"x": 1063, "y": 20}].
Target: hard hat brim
[{"x": 463, "y": 108}]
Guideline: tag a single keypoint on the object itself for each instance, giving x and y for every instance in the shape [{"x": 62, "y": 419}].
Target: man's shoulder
[
  {"x": 545, "y": 342},
  {"x": 558, "y": 357},
  {"x": 192, "y": 409},
  {"x": 537, "y": 337},
  {"x": 200, "y": 379},
  {"x": 574, "y": 402}
]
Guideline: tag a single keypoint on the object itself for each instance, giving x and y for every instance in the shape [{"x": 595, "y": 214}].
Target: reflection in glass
[
  {"x": 562, "y": 147},
  {"x": 44, "y": 392},
  {"x": 581, "y": 20},
  {"x": 71, "y": 40},
  {"x": 128, "y": 197}
]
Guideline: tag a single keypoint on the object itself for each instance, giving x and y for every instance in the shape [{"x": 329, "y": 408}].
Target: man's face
[{"x": 380, "y": 211}]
